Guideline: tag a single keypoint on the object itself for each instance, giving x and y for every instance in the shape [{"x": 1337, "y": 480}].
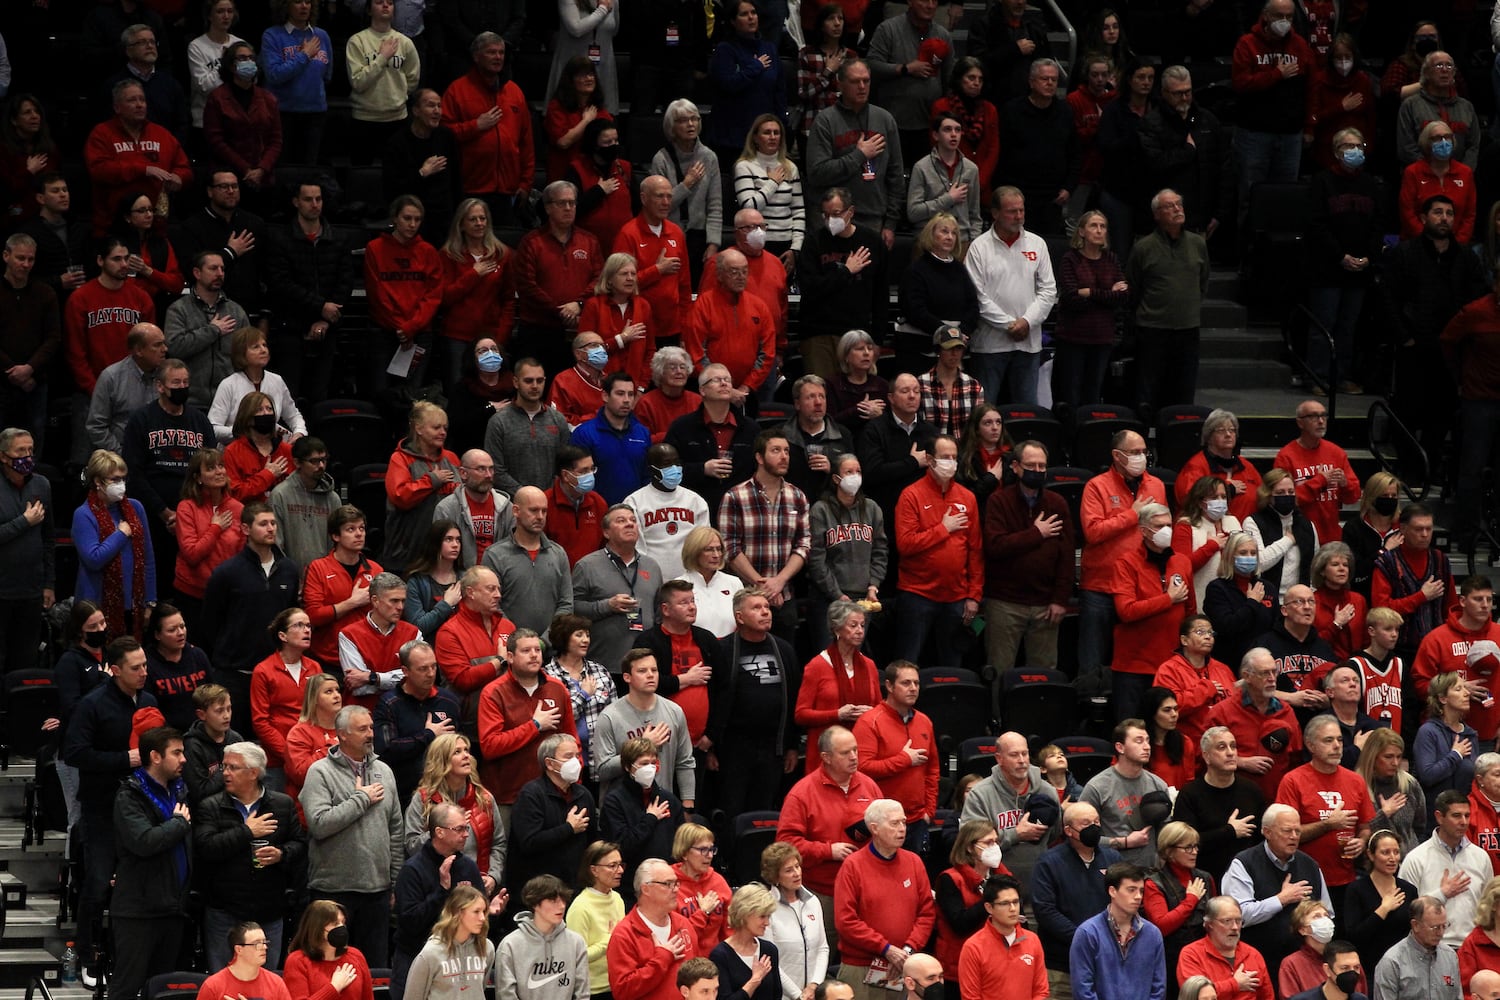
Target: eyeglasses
[
  {"x": 316, "y": 460},
  {"x": 1442, "y": 65},
  {"x": 457, "y": 829},
  {"x": 707, "y": 850},
  {"x": 564, "y": 203},
  {"x": 262, "y": 943},
  {"x": 613, "y": 866},
  {"x": 1205, "y": 633},
  {"x": 670, "y": 884},
  {"x": 225, "y": 187},
  {"x": 1300, "y": 601},
  {"x": 1231, "y": 921},
  {"x": 1190, "y": 848},
  {"x": 1319, "y": 415}
]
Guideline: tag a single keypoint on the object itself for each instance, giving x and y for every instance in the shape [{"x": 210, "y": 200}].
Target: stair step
[
  {"x": 1236, "y": 343},
  {"x": 1223, "y": 312},
  {"x": 19, "y": 965},
  {"x": 14, "y": 890},
  {"x": 1238, "y": 373}
]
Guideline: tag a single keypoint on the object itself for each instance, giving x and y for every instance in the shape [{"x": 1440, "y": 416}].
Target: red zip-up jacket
[
  {"x": 476, "y": 305},
  {"x": 641, "y": 969},
  {"x": 670, "y": 295},
  {"x": 507, "y": 736},
  {"x": 603, "y": 316},
  {"x": 551, "y": 273},
  {"x": 465, "y": 649},
  {"x": 404, "y": 283},
  {"x": 882, "y": 736},
  {"x": 816, "y": 815},
  {"x": 1445, "y": 650},
  {"x": 276, "y": 703},
  {"x": 935, "y": 563},
  {"x": 325, "y": 584},
  {"x": 405, "y": 491},
  {"x": 1147, "y": 631},
  {"x": 249, "y": 479},
  {"x": 739, "y": 335},
  {"x": 202, "y": 544},
  {"x": 1110, "y": 525},
  {"x": 501, "y": 159}
]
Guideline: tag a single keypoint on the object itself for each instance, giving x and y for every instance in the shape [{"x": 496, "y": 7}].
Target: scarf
[
  {"x": 869, "y": 693},
  {"x": 165, "y": 800},
  {"x": 112, "y": 593},
  {"x": 970, "y": 112}
]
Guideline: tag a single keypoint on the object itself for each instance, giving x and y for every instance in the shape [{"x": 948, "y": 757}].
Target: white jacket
[{"x": 1014, "y": 282}]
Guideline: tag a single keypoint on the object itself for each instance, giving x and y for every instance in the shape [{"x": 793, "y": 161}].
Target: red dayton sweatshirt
[
  {"x": 1319, "y": 499},
  {"x": 117, "y": 163},
  {"x": 96, "y": 323},
  {"x": 404, "y": 283}
]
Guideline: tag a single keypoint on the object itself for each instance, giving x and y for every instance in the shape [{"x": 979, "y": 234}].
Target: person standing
[
  {"x": 1118, "y": 953},
  {"x": 26, "y": 549},
  {"x": 1168, "y": 276},
  {"x": 489, "y": 117},
  {"x": 30, "y": 335},
  {"x": 1011, "y": 268}
]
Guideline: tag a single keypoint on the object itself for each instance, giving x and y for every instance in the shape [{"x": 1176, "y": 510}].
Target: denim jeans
[
  {"x": 1096, "y": 623},
  {"x": 921, "y": 617},
  {"x": 1265, "y": 156},
  {"x": 1337, "y": 307},
  {"x": 1016, "y": 370}
]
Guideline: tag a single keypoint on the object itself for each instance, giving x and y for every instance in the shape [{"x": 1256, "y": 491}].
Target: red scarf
[
  {"x": 112, "y": 593},
  {"x": 870, "y": 688}
]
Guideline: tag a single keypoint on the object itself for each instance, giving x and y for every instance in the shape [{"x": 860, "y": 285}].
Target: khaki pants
[
  {"x": 1059, "y": 986},
  {"x": 820, "y": 355},
  {"x": 1006, "y": 624}
]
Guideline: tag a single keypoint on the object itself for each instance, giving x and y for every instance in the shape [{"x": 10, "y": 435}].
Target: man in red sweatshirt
[
  {"x": 556, "y": 267},
  {"x": 898, "y": 749},
  {"x": 516, "y": 710},
  {"x": 129, "y": 153},
  {"x": 732, "y": 327},
  {"x": 101, "y": 314},
  {"x": 1270, "y": 74},
  {"x": 1325, "y": 479},
  {"x": 492, "y": 123},
  {"x": 823, "y": 810},
  {"x": 468, "y": 644},
  {"x": 1452, "y": 647},
  {"x": 661, "y": 256},
  {"x": 1414, "y": 580},
  {"x": 883, "y": 907},
  {"x": 941, "y": 572}
]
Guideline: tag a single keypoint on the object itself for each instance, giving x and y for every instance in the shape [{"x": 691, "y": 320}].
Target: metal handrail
[
  {"x": 1067, "y": 26},
  {"x": 1330, "y": 386},
  {"x": 36, "y": 985},
  {"x": 1412, "y": 493}
]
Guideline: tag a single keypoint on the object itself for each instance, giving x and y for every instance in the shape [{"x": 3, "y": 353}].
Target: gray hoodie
[
  {"x": 354, "y": 844},
  {"x": 438, "y": 974},
  {"x": 454, "y": 507},
  {"x": 993, "y": 799},
  {"x": 302, "y": 517},
  {"x": 552, "y": 966}
]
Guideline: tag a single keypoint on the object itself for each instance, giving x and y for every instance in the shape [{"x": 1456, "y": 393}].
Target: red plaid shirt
[
  {"x": 768, "y": 530},
  {"x": 815, "y": 83},
  {"x": 948, "y": 409}
]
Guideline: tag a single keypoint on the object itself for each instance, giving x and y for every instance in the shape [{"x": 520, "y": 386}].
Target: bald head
[
  {"x": 732, "y": 269},
  {"x": 656, "y": 198},
  {"x": 1485, "y": 985},
  {"x": 477, "y": 471},
  {"x": 529, "y": 494},
  {"x": 921, "y": 970}
]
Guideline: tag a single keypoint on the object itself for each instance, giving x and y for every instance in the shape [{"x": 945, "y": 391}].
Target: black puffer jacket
[{"x": 228, "y": 879}]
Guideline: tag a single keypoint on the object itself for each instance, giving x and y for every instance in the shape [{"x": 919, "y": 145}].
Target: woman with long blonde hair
[
  {"x": 450, "y": 774},
  {"x": 457, "y": 955},
  {"x": 1400, "y": 805},
  {"x": 479, "y": 291},
  {"x": 314, "y": 734}
]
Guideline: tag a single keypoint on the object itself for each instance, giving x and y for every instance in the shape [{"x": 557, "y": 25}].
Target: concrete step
[
  {"x": 1236, "y": 342},
  {"x": 1223, "y": 312},
  {"x": 19, "y": 965},
  {"x": 1239, "y": 373},
  {"x": 34, "y": 925}
]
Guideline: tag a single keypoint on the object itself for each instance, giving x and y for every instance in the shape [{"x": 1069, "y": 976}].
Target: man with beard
[
  {"x": 225, "y": 228},
  {"x": 767, "y": 536},
  {"x": 1229, "y": 963}
]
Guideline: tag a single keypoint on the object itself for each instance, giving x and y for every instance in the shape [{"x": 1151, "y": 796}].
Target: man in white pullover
[{"x": 1012, "y": 272}]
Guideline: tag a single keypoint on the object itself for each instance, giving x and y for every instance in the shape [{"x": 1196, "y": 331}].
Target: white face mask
[
  {"x": 1321, "y": 929},
  {"x": 644, "y": 775},
  {"x": 990, "y": 857},
  {"x": 945, "y": 468},
  {"x": 1135, "y": 465},
  {"x": 851, "y": 483},
  {"x": 114, "y": 492},
  {"x": 1343, "y": 66},
  {"x": 1281, "y": 28},
  {"x": 569, "y": 770},
  {"x": 755, "y": 239},
  {"x": 836, "y": 225},
  {"x": 1162, "y": 537}
]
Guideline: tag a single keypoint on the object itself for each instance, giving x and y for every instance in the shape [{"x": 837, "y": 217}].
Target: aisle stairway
[{"x": 32, "y": 943}]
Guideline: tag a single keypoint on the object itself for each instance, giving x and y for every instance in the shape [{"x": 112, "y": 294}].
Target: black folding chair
[
  {"x": 753, "y": 833},
  {"x": 1094, "y": 427},
  {"x": 1038, "y": 703},
  {"x": 1087, "y": 755},
  {"x": 173, "y": 986},
  {"x": 1179, "y": 433}
]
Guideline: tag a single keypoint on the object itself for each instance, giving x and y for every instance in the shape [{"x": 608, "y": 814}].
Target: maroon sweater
[{"x": 1021, "y": 566}]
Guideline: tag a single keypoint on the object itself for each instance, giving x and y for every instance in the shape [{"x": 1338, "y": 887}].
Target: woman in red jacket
[
  {"x": 839, "y": 684},
  {"x": 420, "y": 473},
  {"x": 574, "y": 104},
  {"x": 242, "y": 124},
  {"x": 702, "y": 893},
  {"x": 404, "y": 286},
  {"x": 1173, "y": 758},
  {"x": 152, "y": 261},
  {"x": 208, "y": 527},
  {"x": 279, "y": 685},
  {"x": 1197, "y": 679},
  {"x": 320, "y": 964},
  {"x": 314, "y": 735},
  {"x": 258, "y": 458},
  {"x": 606, "y": 194},
  {"x": 479, "y": 290},
  {"x": 1340, "y": 618},
  {"x": 622, "y": 318}
]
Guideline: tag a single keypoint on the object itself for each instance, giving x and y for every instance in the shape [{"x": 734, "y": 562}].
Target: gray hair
[
  {"x": 1253, "y": 656},
  {"x": 826, "y": 737},
  {"x": 1213, "y": 733},
  {"x": 1486, "y": 763},
  {"x": 551, "y": 191},
  {"x": 682, "y": 107},
  {"x": 880, "y": 810},
  {"x": 1217, "y": 904},
  {"x": 1422, "y": 904},
  {"x": 666, "y": 356},
  {"x": 119, "y": 89},
  {"x": 548, "y": 747},
  {"x": 1192, "y": 987},
  {"x": 127, "y": 37},
  {"x": 1151, "y": 510},
  {"x": 1157, "y": 197},
  {"x": 9, "y": 435},
  {"x": 1327, "y": 553},
  {"x": 1045, "y": 62},
  {"x": 1316, "y": 725},
  {"x": 644, "y": 871},
  {"x": 1179, "y": 73},
  {"x": 251, "y": 753},
  {"x": 1275, "y": 811},
  {"x": 841, "y": 611},
  {"x": 847, "y": 343},
  {"x": 484, "y": 39},
  {"x": 1215, "y": 420},
  {"x": 385, "y": 582},
  {"x": 411, "y": 646},
  {"x": 1347, "y": 133},
  {"x": 804, "y": 381},
  {"x": 343, "y": 722},
  {"x": 19, "y": 241},
  {"x": 441, "y": 814}
]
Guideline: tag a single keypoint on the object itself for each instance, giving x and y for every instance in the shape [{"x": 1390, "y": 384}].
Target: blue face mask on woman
[
  {"x": 1442, "y": 149},
  {"x": 246, "y": 70},
  {"x": 1246, "y": 565},
  {"x": 489, "y": 361},
  {"x": 1354, "y": 158}
]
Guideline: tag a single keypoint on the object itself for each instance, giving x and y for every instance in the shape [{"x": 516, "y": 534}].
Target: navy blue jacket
[
  {"x": 238, "y": 602},
  {"x": 401, "y": 733},
  {"x": 98, "y": 743},
  {"x": 420, "y": 894},
  {"x": 1064, "y": 893}
]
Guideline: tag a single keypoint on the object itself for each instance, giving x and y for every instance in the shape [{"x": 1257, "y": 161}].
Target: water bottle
[{"x": 70, "y": 964}]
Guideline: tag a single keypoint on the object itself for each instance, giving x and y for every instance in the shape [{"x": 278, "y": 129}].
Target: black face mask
[
  {"x": 606, "y": 154},
  {"x": 96, "y": 640},
  {"x": 338, "y": 938},
  {"x": 1385, "y": 506},
  {"x": 1090, "y": 836},
  {"x": 1032, "y": 479},
  {"x": 1425, "y": 45},
  {"x": 264, "y": 423},
  {"x": 1347, "y": 981},
  {"x": 178, "y": 396},
  {"x": 1284, "y": 503}
]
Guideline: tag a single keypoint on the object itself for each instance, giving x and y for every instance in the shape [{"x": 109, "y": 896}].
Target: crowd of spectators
[{"x": 664, "y": 543}]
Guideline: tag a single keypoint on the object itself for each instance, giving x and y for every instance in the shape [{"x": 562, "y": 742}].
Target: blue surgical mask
[
  {"x": 670, "y": 477},
  {"x": 1216, "y": 509},
  {"x": 598, "y": 356},
  {"x": 245, "y": 70},
  {"x": 585, "y": 482},
  {"x": 489, "y": 361},
  {"x": 1442, "y": 149},
  {"x": 1245, "y": 565},
  {"x": 1354, "y": 158}
]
